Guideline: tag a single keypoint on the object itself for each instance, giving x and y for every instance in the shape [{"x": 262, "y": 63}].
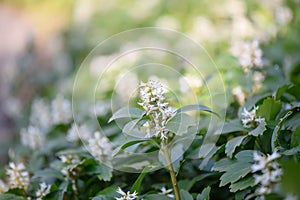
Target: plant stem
[{"x": 171, "y": 170}]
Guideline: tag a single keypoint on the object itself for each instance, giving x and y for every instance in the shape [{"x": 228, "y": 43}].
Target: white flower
[
  {"x": 18, "y": 177},
  {"x": 43, "y": 191},
  {"x": 32, "y": 137},
  {"x": 249, "y": 54},
  {"x": 101, "y": 108},
  {"x": 249, "y": 118},
  {"x": 40, "y": 115},
  {"x": 126, "y": 196},
  {"x": 126, "y": 85},
  {"x": 70, "y": 159},
  {"x": 240, "y": 95},
  {"x": 166, "y": 192},
  {"x": 61, "y": 110},
  {"x": 189, "y": 82},
  {"x": 99, "y": 146},
  {"x": 283, "y": 15},
  {"x": 75, "y": 134},
  {"x": 153, "y": 102},
  {"x": 268, "y": 172},
  {"x": 3, "y": 187}
]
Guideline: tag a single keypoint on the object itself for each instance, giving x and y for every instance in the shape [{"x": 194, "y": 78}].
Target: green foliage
[
  {"x": 204, "y": 194},
  {"x": 211, "y": 160}
]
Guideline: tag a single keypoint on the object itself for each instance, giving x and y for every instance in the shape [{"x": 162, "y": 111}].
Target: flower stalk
[{"x": 171, "y": 170}]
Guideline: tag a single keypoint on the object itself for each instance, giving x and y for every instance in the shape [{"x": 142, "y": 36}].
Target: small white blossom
[
  {"x": 69, "y": 159},
  {"x": 190, "y": 82},
  {"x": 99, "y": 146},
  {"x": 75, "y": 134},
  {"x": 283, "y": 15},
  {"x": 3, "y": 187},
  {"x": 18, "y": 177},
  {"x": 43, "y": 191},
  {"x": 166, "y": 192},
  {"x": 268, "y": 172},
  {"x": 126, "y": 196},
  {"x": 258, "y": 78},
  {"x": 40, "y": 115},
  {"x": 101, "y": 108},
  {"x": 126, "y": 85},
  {"x": 249, "y": 54},
  {"x": 249, "y": 118},
  {"x": 240, "y": 95},
  {"x": 61, "y": 110},
  {"x": 32, "y": 137}
]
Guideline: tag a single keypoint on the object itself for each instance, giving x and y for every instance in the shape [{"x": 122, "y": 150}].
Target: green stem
[{"x": 171, "y": 170}]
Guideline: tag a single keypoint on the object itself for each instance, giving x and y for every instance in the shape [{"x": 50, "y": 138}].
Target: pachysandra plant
[
  {"x": 155, "y": 150},
  {"x": 154, "y": 123}
]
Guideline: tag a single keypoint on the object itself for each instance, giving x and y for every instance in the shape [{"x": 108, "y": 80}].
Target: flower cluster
[
  {"x": 249, "y": 118},
  {"x": 61, "y": 110},
  {"x": 32, "y": 137},
  {"x": 18, "y": 177},
  {"x": 249, "y": 54},
  {"x": 3, "y": 187},
  {"x": 40, "y": 114},
  {"x": 43, "y": 191},
  {"x": 42, "y": 117},
  {"x": 269, "y": 172},
  {"x": 75, "y": 133},
  {"x": 126, "y": 196},
  {"x": 69, "y": 159},
  {"x": 99, "y": 146},
  {"x": 159, "y": 111}
]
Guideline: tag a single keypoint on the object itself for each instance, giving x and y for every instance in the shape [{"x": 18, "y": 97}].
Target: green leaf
[
  {"x": 281, "y": 90},
  {"x": 204, "y": 194},
  {"x": 210, "y": 154},
  {"x": 105, "y": 172},
  {"x": 269, "y": 109},
  {"x": 232, "y": 144},
  {"x": 78, "y": 151},
  {"x": 127, "y": 113},
  {"x": 233, "y": 126},
  {"x": 238, "y": 170},
  {"x": 109, "y": 191},
  {"x": 295, "y": 140},
  {"x": 223, "y": 165},
  {"x": 129, "y": 127},
  {"x": 185, "y": 195},
  {"x": 245, "y": 156},
  {"x": 187, "y": 184},
  {"x": 102, "y": 197},
  {"x": 137, "y": 184},
  {"x": 129, "y": 144},
  {"x": 180, "y": 123},
  {"x": 292, "y": 151},
  {"x": 291, "y": 177},
  {"x": 198, "y": 107},
  {"x": 242, "y": 184},
  {"x": 11, "y": 197},
  {"x": 276, "y": 131},
  {"x": 157, "y": 197},
  {"x": 259, "y": 130},
  {"x": 48, "y": 173},
  {"x": 293, "y": 122}
]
